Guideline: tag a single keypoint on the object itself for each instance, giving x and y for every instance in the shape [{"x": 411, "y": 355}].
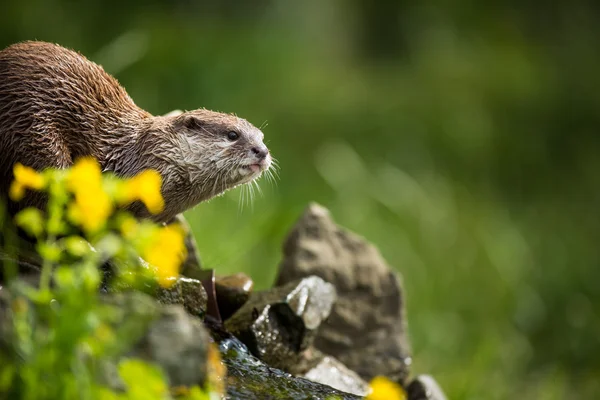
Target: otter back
[{"x": 55, "y": 105}]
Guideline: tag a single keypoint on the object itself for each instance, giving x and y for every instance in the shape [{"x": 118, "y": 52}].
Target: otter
[{"x": 57, "y": 106}]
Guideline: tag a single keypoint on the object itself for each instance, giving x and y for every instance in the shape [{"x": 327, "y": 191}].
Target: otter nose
[{"x": 260, "y": 152}]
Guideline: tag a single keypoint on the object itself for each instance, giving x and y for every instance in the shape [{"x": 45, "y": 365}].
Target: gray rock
[
  {"x": 424, "y": 387},
  {"x": 279, "y": 324},
  {"x": 366, "y": 329},
  {"x": 133, "y": 313},
  {"x": 178, "y": 343},
  {"x": 188, "y": 292},
  {"x": 329, "y": 371}
]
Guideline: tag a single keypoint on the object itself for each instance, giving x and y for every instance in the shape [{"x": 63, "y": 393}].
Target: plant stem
[{"x": 56, "y": 202}]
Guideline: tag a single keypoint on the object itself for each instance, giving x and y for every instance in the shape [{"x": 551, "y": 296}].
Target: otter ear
[{"x": 191, "y": 122}]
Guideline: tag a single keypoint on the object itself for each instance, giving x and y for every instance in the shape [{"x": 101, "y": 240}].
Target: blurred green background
[{"x": 460, "y": 137}]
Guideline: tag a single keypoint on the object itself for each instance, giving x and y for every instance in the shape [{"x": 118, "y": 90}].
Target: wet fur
[{"x": 56, "y": 106}]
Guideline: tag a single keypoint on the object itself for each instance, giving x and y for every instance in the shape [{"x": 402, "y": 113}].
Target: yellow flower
[
  {"x": 85, "y": 174},
  {"x": 25, "y": 177},
  {"x": 91, "y": 209},
  {"x": 384, "y": 389},
  {"x": 166, "y": 253},
  {"x": 28, "y": 177},
  {"x": 92, "y": 205},
  {"x": 145, "y": 187},
  {"x": 16, "y": 191},
  {"x": 129, "y": 227}
]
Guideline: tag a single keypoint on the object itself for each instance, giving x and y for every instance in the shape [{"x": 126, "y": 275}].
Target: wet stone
[
  {"x": 188, "y": 292},
  {"x": 424, "y": 387},
  {"x": 366, "y": 329},
  {"x": 248, "y": 378},
  {"x": 232, "y": 292},
  {"x": 279, "y": 324},
  {"x": 329, "y": 371}
]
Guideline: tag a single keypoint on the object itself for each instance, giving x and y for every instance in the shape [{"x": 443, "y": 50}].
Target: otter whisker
[
  {"x": 258, "y": 189},
  {"x": 270, "y": 177},
  {"x": 274, "y": 170},
  {"x": 241, "y": 199},
  {"x": 251, "y": 191},
  {"x": 251, "y": 196}
]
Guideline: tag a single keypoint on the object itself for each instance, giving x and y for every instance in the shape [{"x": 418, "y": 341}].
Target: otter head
[{"x": 204, "y": 153}]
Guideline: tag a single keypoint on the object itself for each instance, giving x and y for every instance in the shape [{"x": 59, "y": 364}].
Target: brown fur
[{"x": 56, "y": 106}]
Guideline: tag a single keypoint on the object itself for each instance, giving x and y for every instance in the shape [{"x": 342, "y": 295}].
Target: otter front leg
[{"x": 191, "y": 266}]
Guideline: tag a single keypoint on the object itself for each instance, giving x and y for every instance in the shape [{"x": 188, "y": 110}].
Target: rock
[
  {"x": 167, "y": 336},
  {"x": 424, "y": 387},
  {"x": 133, "y": 310},
  {"x": 188, "y": 292},
  {"x": 178, "y": 343},
  {"x": 248, "y": 378},
  {"x": 329, "y": 371},
  {"x": 366, "y": 328},
  {"x": 232, "y": 292},
  {"x": 279, "y": 324}
]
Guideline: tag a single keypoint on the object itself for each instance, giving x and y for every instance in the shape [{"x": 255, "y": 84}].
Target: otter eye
[{"x": 233, "y": 136}]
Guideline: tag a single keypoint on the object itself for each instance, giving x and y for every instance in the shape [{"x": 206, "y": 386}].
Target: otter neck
[
  {"x": 139, "y": 145},
  {"x": 121, "y": 145}
]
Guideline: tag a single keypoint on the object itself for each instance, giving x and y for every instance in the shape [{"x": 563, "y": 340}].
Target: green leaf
[
  {"x": 31, "y": 220},
  {"x": 64, "y": 277},
  {"x": 109, "y": 245},
  {"x": 91, "y": 277},
  {"x": 143, "y": 381},
  {"x": 50, "y": 251},
  {"x": 7, "y": 374},
  {"x": 77, "y": 246}
]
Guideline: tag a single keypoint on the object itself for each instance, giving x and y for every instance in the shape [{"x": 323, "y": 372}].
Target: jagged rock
[
  {"x": 188, "y": 292},
  {"x": 366, "y": 328},
  {"x": 178, "y": 343},
  {"x": 329, "y": 371},
  {"x": 248, "y": 378},
  {"x": 232, "y": 292},
  {"x": 279, "y": 324},
  {"x": 424, "y": 387}
]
